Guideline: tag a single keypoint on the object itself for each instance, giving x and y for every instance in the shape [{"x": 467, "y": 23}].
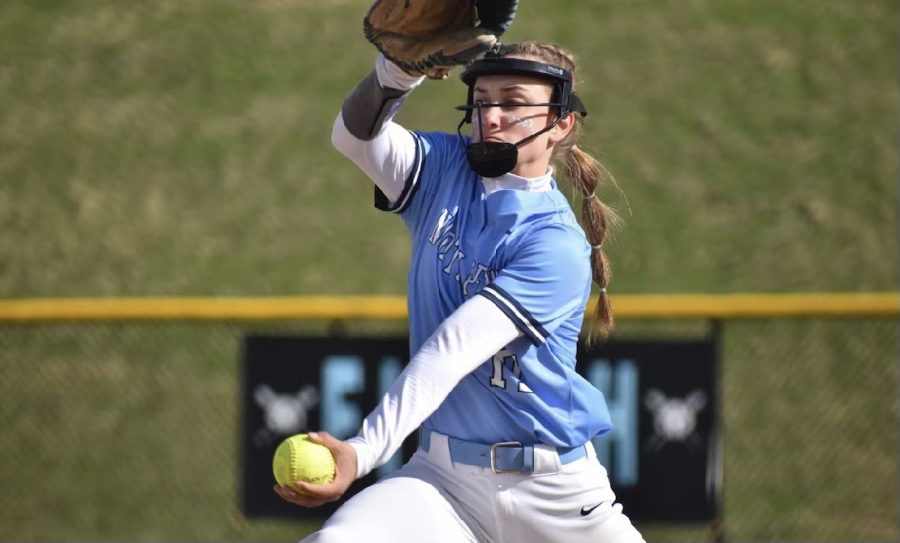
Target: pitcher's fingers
[
  {"x": 292, "y": 496},
  {"x": 322, "y": 438},
  {"x": 328, "y": 492}
]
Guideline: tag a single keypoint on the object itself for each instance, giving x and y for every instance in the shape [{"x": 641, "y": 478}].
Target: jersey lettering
[
  {"x": 474, "y": 277},
  {"x": 469, "y": 275},
  {"x": 443, "y": 224},
  {"x": 501, "y": 360},
  {"x": 447, "y": 242},
  {"x": 457, "y": 256}
]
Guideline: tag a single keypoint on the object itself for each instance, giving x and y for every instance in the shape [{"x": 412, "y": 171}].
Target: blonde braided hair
[{"x": 585, "y": 173}]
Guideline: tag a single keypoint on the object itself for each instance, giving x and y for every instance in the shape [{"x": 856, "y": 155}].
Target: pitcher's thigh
[
  {"x": 575, "y": 505},
  {"x": 395, "y": 510}
]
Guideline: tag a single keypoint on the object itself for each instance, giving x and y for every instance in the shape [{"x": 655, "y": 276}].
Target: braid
[{"x": 585, "y": 173}]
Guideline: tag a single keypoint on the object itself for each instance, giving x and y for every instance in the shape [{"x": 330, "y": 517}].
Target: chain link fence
[{"x": 130, "y": 431}]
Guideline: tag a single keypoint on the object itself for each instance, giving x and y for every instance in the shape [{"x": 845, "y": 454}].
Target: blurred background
[{"x": 181, "y": 148}]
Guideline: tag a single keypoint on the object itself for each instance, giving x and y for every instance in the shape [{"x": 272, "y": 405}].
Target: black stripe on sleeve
[
  {"x": 409, "y": 188},
  {"x": 518, "y": 314}
]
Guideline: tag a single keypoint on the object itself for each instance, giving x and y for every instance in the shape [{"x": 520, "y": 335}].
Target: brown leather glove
[{"x": 430, "y": 37}]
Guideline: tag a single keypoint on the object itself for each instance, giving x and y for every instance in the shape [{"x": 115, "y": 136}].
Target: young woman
[{"x": 500, "y": 276}]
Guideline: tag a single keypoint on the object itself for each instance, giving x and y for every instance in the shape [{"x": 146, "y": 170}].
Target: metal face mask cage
[{"x": 493, "y": 159}]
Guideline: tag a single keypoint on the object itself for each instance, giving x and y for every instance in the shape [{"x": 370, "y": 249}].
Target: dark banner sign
[{"x": 662, "y": 455}]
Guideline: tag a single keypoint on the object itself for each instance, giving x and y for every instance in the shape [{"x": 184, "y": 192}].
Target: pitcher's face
[{"x": 514, "y": 120}]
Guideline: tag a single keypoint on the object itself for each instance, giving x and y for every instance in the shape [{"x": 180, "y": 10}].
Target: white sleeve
[
  {"x": 393, "y": 76},
  {"x": 387, "y": 159},
  {"x": 390, "y": 156},
  {"x": 465, "y": 340}
]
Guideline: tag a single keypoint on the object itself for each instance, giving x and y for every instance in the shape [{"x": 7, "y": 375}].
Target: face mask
[{"x": 493, "y": 158}]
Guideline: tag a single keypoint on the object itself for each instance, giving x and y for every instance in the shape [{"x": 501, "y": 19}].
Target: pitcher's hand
[{"x": 314, "y": 495}]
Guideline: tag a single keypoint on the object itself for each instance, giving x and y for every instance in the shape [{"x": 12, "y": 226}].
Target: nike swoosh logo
[{"x": 585, "y": 511}]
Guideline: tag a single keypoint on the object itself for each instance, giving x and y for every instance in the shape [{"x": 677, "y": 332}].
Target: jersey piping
[
  {"x": 409, "y": 189},
  {"x": 516, "y": 313}
]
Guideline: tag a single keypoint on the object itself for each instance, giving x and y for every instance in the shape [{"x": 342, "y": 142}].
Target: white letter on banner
[
  {"x": 623, "y": 410},
  {"x": 341, "y": 376}
]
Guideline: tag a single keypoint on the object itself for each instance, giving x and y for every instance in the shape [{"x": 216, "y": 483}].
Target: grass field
[{"x": 181, "y": 148}]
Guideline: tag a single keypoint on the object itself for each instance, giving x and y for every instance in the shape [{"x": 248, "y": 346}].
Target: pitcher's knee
[{"x": 340, "y": 534}]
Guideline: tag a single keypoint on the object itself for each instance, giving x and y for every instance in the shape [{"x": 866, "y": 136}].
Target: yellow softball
[{"x": 299, "y": 459}]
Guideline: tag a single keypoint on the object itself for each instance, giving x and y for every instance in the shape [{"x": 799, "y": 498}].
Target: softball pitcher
[{"x": 501, "y": 273}]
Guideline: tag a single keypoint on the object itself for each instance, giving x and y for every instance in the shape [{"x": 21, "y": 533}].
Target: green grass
[
  {"x": 755, "y": 143},
  {"x": 182, "y": 148}
]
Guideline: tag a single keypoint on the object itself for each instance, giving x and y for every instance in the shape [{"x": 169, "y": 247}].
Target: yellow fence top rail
[{"x": 646, "y": 306}]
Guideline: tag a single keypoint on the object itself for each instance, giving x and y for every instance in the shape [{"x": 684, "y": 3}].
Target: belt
[{"x": 502, "y": 457}]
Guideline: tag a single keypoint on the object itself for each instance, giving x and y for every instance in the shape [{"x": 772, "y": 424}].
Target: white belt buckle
[{"x": 494, "y": 448}]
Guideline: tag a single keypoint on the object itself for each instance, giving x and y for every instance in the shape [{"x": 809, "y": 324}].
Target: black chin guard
[{"x": 491, "y": 158}]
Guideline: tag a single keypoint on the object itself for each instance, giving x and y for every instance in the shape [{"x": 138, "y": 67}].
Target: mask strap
[
  {"x": 477, "y": 107},
  {"x": 538, "y": 133}
]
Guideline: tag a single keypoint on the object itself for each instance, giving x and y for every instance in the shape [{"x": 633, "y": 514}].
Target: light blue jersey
[{"x": 526, "y": 253}]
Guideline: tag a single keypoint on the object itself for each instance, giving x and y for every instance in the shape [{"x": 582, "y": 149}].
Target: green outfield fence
[{"x": 120, "y": 417}]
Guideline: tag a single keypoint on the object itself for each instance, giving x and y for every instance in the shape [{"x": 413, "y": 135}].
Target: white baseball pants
[{"x": 433, "y": 499}]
